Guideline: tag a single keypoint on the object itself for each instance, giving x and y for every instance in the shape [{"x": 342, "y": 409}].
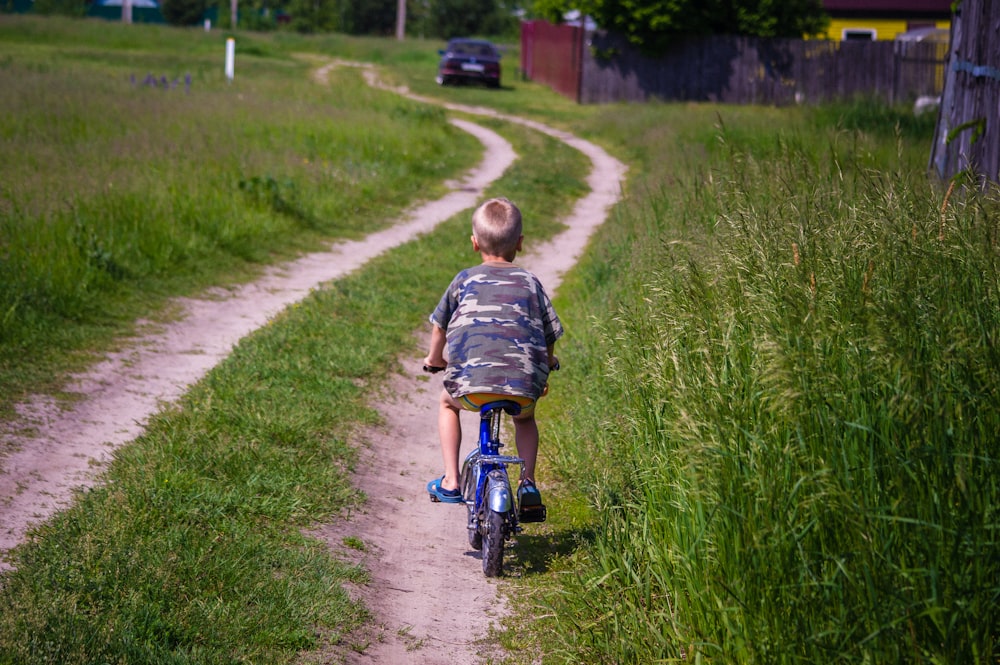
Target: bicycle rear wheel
[{"x": 493, "y": 541}]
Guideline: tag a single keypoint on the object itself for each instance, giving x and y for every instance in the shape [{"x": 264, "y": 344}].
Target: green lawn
[{"x": 772, "y": 440}]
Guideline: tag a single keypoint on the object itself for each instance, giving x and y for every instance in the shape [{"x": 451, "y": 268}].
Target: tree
[
  {"x": 651, "y": 25},
  {"x": 462, "y": 18},
  {"x": 183, "y": 12},
  {"x": 312, "y": 16},
  {"x": 62, "y": 7},
  {"x": 369, "y": 17}
]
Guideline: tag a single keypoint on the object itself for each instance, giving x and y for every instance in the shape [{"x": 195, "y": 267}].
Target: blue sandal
[{"x": 439, "y": 495}]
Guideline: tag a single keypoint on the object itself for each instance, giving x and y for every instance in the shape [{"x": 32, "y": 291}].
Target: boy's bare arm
[
  {"x": 553, "y": 359},
  {"x": 435, "y": 357}
]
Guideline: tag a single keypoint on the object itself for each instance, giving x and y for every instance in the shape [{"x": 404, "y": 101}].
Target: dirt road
[{"x": 432, "y": 602}]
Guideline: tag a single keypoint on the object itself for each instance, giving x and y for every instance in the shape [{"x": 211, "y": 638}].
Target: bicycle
[{"x": 494, "y": 511}]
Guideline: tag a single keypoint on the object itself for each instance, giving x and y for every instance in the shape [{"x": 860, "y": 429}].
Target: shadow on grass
[{"x": 535, "y": 551}]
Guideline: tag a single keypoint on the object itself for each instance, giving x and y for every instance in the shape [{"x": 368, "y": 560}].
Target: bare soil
[{"x": 431, "y": 602}]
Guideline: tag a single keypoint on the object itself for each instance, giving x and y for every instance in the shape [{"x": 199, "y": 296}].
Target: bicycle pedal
[{"x": 534, "y": 513}]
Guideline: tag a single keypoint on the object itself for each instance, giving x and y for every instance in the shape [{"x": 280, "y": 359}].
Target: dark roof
[{"x": 896, "y": 7}]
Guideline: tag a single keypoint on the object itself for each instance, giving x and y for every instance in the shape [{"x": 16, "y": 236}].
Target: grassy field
[
  {"x": 116, "y": 194},
  {"x": 192, "y": 551},
  {"x": 783, "y": 416},
  {"x": 773, "y": 439}
]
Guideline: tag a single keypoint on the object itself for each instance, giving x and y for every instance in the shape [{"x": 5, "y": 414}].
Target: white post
[
  {"x": 230, "y": 58},
  {"x": 126, "y": 11}
]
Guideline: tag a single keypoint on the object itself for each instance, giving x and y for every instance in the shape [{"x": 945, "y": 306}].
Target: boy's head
[{"x": 496, "y": 227}]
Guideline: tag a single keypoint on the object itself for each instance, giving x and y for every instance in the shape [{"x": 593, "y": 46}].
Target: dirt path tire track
[
  {"x": 68, "y": 447},
  {"x": 431, "y": 602},
  {"x": 433, "y": 606}
]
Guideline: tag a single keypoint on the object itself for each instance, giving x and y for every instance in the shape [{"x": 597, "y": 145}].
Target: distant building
[{"x": 887, "y": 19}]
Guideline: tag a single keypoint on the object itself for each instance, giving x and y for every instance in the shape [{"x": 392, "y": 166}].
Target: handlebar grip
[{"x": 433, "y": 370}]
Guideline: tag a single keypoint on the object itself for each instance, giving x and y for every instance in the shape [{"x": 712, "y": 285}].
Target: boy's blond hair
[{"x": 496, "y": 224}]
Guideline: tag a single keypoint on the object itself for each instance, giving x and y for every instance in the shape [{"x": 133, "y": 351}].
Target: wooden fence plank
[
  {"x": 737, "y": 70},
  {"x": 745, "y": 70}
]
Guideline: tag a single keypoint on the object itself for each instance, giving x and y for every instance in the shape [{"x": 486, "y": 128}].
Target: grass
[
  {"x": 192, "y": 550},
  {"x": 783, "y": 424},
  {"x": 772, "y": 439},
  {"x": 124, "y": 194}
]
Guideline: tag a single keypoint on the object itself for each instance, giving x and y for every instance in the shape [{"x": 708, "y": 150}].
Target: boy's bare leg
[
  {"x": 526, "y": 437},
  {"x": 450, "y": 431}
]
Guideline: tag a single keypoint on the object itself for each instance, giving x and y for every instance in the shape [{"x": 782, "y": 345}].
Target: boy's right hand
[{"x": 435, "y": 362}]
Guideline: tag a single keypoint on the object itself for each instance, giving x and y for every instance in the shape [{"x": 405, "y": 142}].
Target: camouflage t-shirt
[{"x": 499, "y": 323}]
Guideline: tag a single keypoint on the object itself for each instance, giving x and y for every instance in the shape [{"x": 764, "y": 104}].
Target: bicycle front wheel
[
  {"x": 493, "y": 541},
  {"x": 475, "y": 537}
]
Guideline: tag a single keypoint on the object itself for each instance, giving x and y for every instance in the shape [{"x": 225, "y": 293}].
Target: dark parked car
[{"x": 469, "y": 60}]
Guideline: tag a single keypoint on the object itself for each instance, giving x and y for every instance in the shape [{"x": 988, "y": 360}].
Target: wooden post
[{"x": 967, "y": 139}]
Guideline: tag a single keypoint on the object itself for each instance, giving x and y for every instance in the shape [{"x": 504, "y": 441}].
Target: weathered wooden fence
[
  {"x": 552, "y": 54},
  {"x": 968, "y": 132},
  {"x": 738, "y": 70}
]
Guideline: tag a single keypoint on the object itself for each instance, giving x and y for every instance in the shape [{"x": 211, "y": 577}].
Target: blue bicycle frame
[
  {"x": 486, "y": 488},
  {"x": 487, "y": 459}
]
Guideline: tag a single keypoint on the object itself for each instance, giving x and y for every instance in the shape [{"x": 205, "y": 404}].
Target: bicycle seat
[{"x": 510, "y": 406}]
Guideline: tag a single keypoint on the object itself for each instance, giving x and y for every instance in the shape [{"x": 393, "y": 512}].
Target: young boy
[{"x": 500, "y": 329}]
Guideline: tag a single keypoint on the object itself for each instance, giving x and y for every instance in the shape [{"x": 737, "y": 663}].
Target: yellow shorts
[{"x": 476, "y": 401}]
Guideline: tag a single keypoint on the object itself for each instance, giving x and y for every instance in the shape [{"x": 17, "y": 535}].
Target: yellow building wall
[{"x": 884, "y": 28}]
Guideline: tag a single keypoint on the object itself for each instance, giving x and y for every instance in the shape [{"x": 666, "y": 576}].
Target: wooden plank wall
[
  {"x": 968, "y": 133},
  {"x": 746, "y": 70}
]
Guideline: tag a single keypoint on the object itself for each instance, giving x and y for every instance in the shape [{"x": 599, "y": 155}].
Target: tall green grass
[{"x": 791, "y": 448}]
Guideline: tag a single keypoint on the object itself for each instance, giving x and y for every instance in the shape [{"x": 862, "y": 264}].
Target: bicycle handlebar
[{"x": 434, "y": 370}]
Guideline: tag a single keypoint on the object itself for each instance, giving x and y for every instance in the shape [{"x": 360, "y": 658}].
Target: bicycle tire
[{"x": 493, "y": 544}]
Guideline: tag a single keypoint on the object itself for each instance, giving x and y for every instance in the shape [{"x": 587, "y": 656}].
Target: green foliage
[
  {"x": 183, "y": 12},
  {"x": 464, "y": 18},
  {"x": 652, "y": 25},
  {"x": 787, "y": 429},
  {"x": 371, "y": 17},
  {"x": 314, "y": 16},
  {"x": 874, "y": 116},
  {"x": 59, "y": 7}
]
